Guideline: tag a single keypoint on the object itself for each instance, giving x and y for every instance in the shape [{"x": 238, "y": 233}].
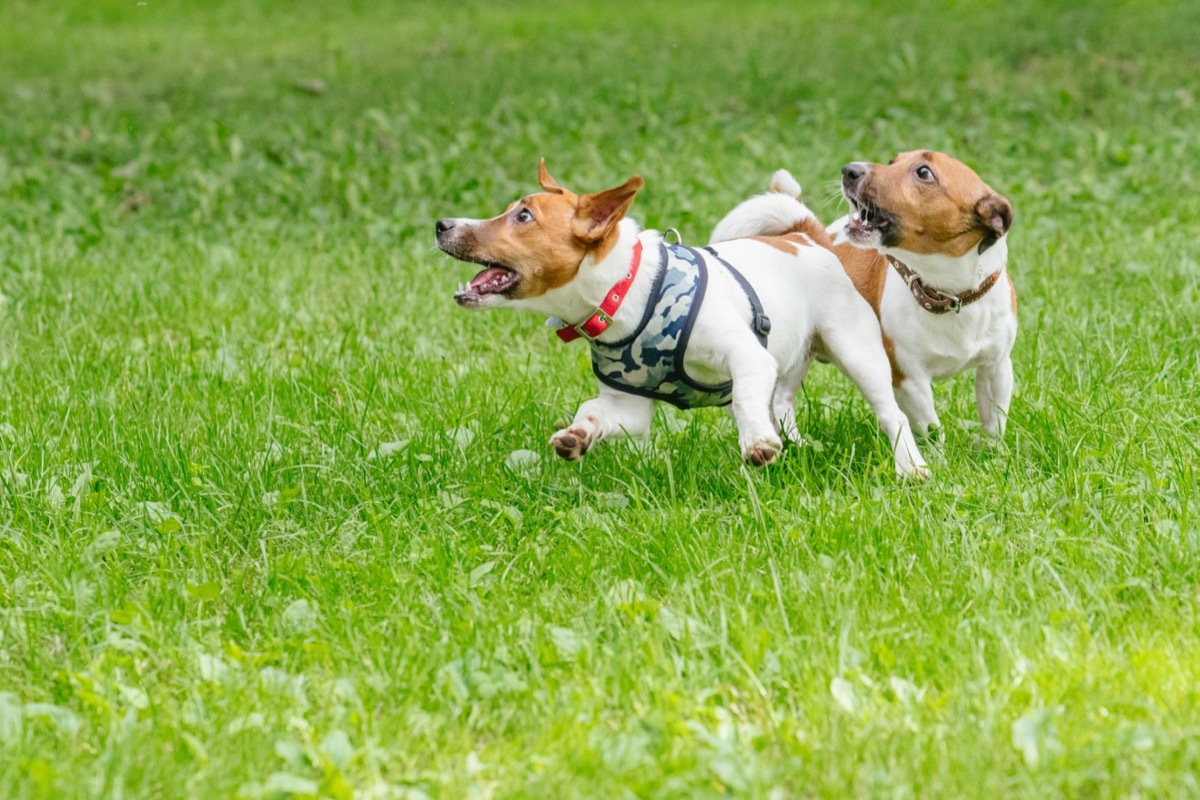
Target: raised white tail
[{"x": 771, "y": 214}]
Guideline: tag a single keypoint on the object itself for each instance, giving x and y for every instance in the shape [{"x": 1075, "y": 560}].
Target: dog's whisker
[{"x": 835, "y": 198}]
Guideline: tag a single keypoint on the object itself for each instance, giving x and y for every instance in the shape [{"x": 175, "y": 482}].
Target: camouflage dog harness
[{"x": 649, "y": 362}]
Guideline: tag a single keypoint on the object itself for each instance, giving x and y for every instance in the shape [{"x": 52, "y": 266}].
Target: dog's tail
[{"x": 775, "y": 213}]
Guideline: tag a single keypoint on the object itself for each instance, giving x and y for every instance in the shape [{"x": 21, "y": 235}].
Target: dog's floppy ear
[
  {"x": 995, "y": 216},
  {"x": 547, "y": 180},
  {"x": 597, "y": 213}
]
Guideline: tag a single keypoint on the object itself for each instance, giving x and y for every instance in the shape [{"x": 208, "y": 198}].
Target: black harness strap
[{"x": 759, "y": 321}]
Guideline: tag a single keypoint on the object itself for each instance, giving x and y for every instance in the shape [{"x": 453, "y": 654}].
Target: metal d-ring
[{"x": 678, "y": 235}]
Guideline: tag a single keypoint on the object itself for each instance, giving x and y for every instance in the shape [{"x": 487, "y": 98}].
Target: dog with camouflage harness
[{"x": 736, "y": 324}]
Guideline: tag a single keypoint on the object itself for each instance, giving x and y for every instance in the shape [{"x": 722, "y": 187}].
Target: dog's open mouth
[
  {"x": 492, "y": 279},
  {"x": 867, "y": 220}
]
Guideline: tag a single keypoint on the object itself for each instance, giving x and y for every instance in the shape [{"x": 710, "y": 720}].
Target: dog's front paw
[
  {"x": 571, "y": 443},
  {"x": 987, "y": 440},
  {"x": 910, "y": 466},
  {"x": 762, "y": 451},
  {"x": 914, "y": 472},
  {"x": 931, "y": 435}
]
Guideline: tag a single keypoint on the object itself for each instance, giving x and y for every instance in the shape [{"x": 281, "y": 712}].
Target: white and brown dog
[
  {"x": 679, "y": 324},
  {"x": 946, "y": 303}
]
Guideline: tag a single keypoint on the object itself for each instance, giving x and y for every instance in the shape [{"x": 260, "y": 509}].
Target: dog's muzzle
[{"x": 853, "y": 173}]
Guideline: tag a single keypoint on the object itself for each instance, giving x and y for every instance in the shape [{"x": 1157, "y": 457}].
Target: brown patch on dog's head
[
  {"x": 546, "y": 180},
  {"x": 924, "y": 202},
  {"x": 596, "y": 215},
  {"x": 537, "y": 244}
]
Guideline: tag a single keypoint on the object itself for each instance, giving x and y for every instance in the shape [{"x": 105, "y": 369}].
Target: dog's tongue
[{"x": 492, "y": 279}]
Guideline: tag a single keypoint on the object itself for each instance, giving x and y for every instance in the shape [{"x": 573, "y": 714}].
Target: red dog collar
[{"x": 599, "y": 321}]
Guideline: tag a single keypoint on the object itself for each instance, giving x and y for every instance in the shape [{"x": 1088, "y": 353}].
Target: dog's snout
[
  {"x": 443, "y": 225},
  {"x": 852, "y": 173}
]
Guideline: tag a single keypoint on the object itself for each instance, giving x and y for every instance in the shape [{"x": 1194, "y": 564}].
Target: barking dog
[
  {"x": 925, "y": 245},
  {"x": 674, "y": 323}
]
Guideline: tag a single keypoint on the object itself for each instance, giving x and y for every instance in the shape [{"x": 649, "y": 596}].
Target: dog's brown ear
[
  {"x": 597, "y": 213},
  {"x": 995, "y": 216},
  {"x": 547, "y": 180}
]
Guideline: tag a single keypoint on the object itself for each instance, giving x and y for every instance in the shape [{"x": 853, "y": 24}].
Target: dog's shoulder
[{"x": 868, "y": 270}]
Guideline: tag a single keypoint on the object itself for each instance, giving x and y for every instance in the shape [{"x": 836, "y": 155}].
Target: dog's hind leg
[
  {"x": 613, "y": 414},
  {"x": 754, "y": 374},
  {"x": 783, "y": 404},
  {"x": 856, "y": 347}
]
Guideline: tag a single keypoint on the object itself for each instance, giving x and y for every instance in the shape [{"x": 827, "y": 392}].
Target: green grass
[{"x": 219, "y": 297}]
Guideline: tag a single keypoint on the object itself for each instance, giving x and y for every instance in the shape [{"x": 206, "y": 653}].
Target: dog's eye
[
  {"x": 925, "y": 174},
  {"x": 524, "y": 216}
]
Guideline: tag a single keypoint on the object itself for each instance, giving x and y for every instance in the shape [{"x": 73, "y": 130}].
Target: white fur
[
  {"x": 928, "y": 347},
  {"x": 769, "y": 214},
  {"x": 782, "y": 182},
  {"x": 577, "y": 299},
  {"x": 932, "y": 347},
  {"x": 811, "y": 303}
]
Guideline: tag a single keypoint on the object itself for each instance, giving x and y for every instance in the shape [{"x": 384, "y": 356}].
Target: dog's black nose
[
  {"x": 443, "y": 225},
  {"x": 852, "y": 172}
]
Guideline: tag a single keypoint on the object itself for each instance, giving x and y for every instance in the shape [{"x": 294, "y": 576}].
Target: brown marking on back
[
  {"x": 780, "y": 243},
  {"x": 807, "y": 232},
  {"x": 950, "y": 214},
  {"x": 1012, "y": 289},
  {"x": 867, "y": 270},
  {"x": 815, "y": 230}
]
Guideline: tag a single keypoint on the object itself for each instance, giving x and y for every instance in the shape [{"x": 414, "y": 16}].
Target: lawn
[{"x": 278, "y": 519}]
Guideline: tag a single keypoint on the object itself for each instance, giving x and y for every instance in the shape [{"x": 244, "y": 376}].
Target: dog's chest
[{"x": 942, "y": 345}]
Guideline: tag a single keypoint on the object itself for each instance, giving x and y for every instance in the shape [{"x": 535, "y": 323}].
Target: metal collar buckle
[{"x": 600, "y": 314}]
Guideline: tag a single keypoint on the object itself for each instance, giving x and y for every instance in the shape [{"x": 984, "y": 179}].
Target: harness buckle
[
  {"x": 762, "y": 324},
  {"x": 956, "y": 304}
]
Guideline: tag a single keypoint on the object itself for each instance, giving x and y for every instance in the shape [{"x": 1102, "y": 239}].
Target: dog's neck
[
  {"x": 577, "y": 300},
  {"x": 952, "y": 275}
]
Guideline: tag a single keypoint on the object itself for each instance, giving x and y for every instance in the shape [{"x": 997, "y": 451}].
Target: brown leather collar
[{"x": 938, "y": 302}]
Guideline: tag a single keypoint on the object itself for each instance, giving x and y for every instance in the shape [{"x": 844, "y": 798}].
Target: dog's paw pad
[
  {"x": 571, "y": 443},
  {"x": 762, "y": 452}
]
